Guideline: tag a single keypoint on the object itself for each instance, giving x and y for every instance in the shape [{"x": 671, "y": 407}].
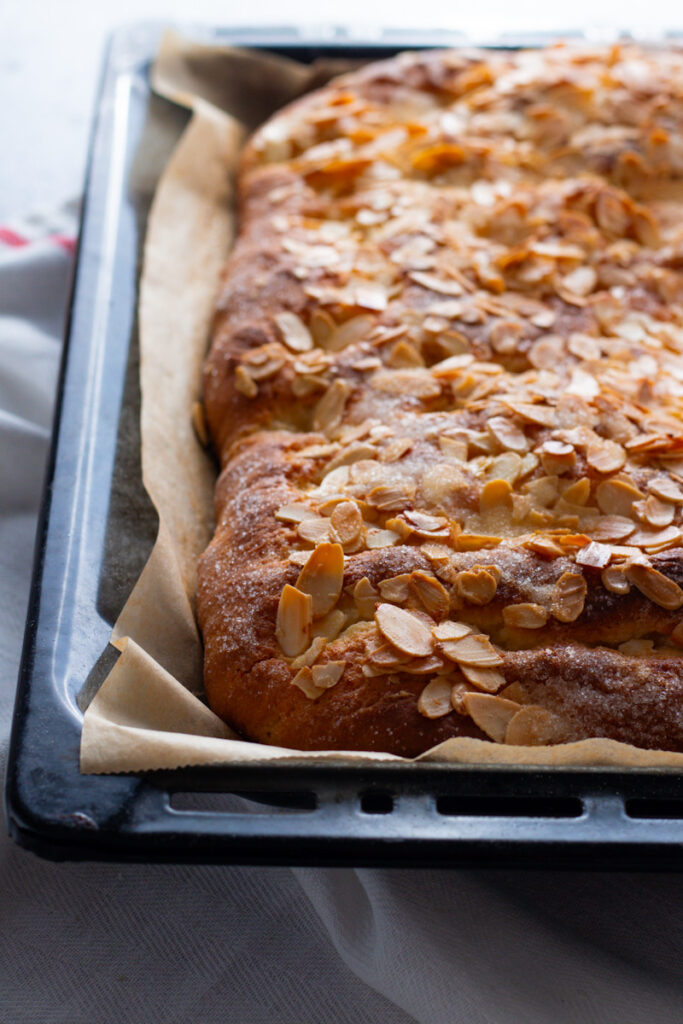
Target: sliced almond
[
  {"x": 381, "y": 538},
  {"x": 311, "y": 654},
  {"x": 322, "y": 577},
  {"x": 321, "y": 326},
  {"x": 415, "y": 383},
  {"x": 304, "y": 680},
  {"x": 656, "y": 586},
  {"x": 655, "y": 512},
  {"x": 508, "y": 434},
  {"x": 534, "y": 726},
  {"x": 544, "y": 546},
  {"x": 294, "y": 618},
  {"x": 475, "y": 541},
  {"x": 656, "y": 540},
  {"x": 295, "y": 513},
  {"x": 474, "y": 649},
  {"x": 431, "y": 593},
  {"x": 329, "y": 674},
  {"x": 314, "y": 529},
  {"x": 330, "y": 409},
  {"x": 351, "y": 332},
  {"x": 245, "y": 383},
  {"x": 543, "y": 491},
  {"x": 525, "y": 616},
  {"x": 506, "y": 467},
  {"x": 451, "y": 631},
  {"x": 331, "y": 625},
  {"x": 605, "y": 456},
  {"x": 435, "y": 699},
  {"x": 365, "y": 597},
  {"x": 199, "y": 423},
  {"x": 396, "y": 589},
  {"x": 612, "y": 528},
  {"x": 595, "y": 555},
  {"x": 347, "y": 523},
  {"x": 486, "y": 679},
  {"x": 616, "y": 497},
  {"x": 495, "y": 494},
  {"x": 615, "y": 579},
  {"x": 294, "y": 331},
  {"x": 568, "y": 597},
  {"x": 391, "y": 498},
  {"x": 666, "y": 488},
  {"x": 476, "y": 585},
  {"x": 540, "y": 415},
  {"x": 454, "y": 448},
  {"x": 578, "y": 492},
  {"x": 492, "y": 714},
  {"x": 404, "y": 630}
]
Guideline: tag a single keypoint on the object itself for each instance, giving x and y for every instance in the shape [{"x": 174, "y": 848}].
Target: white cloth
[{"x": 150, "y": 944}]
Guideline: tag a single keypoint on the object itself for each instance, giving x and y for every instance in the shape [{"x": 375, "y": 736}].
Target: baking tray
[{"x": 388, "y": 814}]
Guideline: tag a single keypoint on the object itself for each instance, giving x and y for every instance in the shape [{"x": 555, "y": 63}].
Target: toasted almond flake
[
  {"x": 450, "y": 631},
  {"x": 515, "y": 691},
  {"x": 544, "y": 546},
  {"x": 557, "y": 457},
  {"x": 453, "y": 448},
  {"x": 581, "y": 281},
  {"x": 396, "y": 589},
  {"x": 199, "y": 423},
  {"x": 404, "y": 630},
  {"x": 655, "y": 512},
  {"x": 351, "y": 332},
  {"x": 404, "y": 355},
  {"x": 475, "y": 541},
  {"x": 347, "y": 524},
  {"x": 311, "y": 654},
  {"x": 656, "y": 586},
  {"x": 616, "y": 497},
  {"x": 525, "y": 616},
  {"x": 492, "y": 714},
  {"x": 431, "y": 593},
  {"x": 666, "y": 488},
  {"x": 244, "y": 383},
  {"x": 321, "y": 326},
  {"x": 612, "y": 528},
  {"x": 578, "y": 492},
  {"x": 534, "y": 726},
  {"x": 495, "y": 494},
  {"x": 314, "y": 529},
  {"x": 541, "y": 415},
  {"x": 294, "y": 618},
  {"x": 365, "y": 597},
  {"x": 436, "y": 284},
  {"x": 605, "y": 456},
  {"x": 476, "y": 585},
  {"x": 507, "y": 466},
  {"x": 474, "y": 649},
  {"x": 322, "y": 577},
  {"x": 294, "y": 513},
  {"x": 329, "y": 674},
  {"x": 656, "y": 540},
  {"x": 371, "y": 296},
  {"x": 331, "y": 625},
  {"x": 615, "y": 580},
  {"x": 295, "y": 334},
  {"x": 487, "y": 679},
  {"x": 304, "y": 680},
  {"x": 636, "y": 648},
  {"x": 353, "y": 453},
  {"x": 543, "y": 490},
  {"x": 381, "y": 539},
  {"x": 423, "y": 666},
  {"x": 387, "y": 657},
  {"x": 595, "y": 555},
  {"x": 298, "y": 557},
  {"x": 396, "y": 449},
  {"x": 568, "y": 597},
  {"x": 330, "y": 409},
  {"x": 415, "y": 383},
  {"x": 390, "y": 497},
  {"x": 435, "y": 699}
]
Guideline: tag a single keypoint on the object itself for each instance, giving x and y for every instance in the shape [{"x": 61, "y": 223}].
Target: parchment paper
[{"x": 148, "y": 713}]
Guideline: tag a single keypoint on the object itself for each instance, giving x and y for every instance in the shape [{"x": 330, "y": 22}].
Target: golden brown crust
[{"x": 451, "y": 325}]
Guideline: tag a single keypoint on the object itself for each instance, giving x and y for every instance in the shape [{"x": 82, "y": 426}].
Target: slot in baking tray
[{"x": 392, "y": 814}]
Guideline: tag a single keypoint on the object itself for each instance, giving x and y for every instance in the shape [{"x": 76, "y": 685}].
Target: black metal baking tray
[{"x": 387, "y": 814}]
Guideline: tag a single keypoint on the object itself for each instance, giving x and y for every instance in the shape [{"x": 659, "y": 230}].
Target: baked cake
[{"x": 445, "y": 388}]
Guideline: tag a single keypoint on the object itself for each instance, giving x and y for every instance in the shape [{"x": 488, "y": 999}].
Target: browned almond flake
[
  {"x": 347, "y": 523},
  {"x": 541, "y": 415},
  {"x": 534, "y": 726},
  {"x": 656, "y": 540},
  {"x": 486, "y": 679},
  {"x": 495, "y": 494},
  {"x": 404, "y": 630},
  {"x": 450, "y": 630},
  {"x": 544, "y": 546},
  {"x": 245, "y": 383},
  {"x": 475, "y": 541},
  {"x": 330, "y": 409},
  {"x": 329, "y": 674},
  {"x": 616, "y": 497},
  {"x": 381, "y": 538},
  {"x": 311, "y": 654},
  {"x": 568, "y": 597},
  {"x": 314, "y": 529},
  {"x": 366, "y": 597},
  {"x": 199, "y": 423},
  {"x": 396, "y": 589},
  {"x": 294, "y": 618},
  {"x": 322, "y": 577},
  {"x": 615, "y": 579},
  {"x": 492, "y": 714},
  {"x": 435, "y": 699},
  {"x": 557, "y": 457},
  {"x": 655, "y": 512},
  {"x": 416, "y": 383},
  {"x": 349, "y": 333},
  {"x": 354, "y": 453},
  {"x": 321, "y": 326},
  {"x": 666, "y": 488},
  {"x": 454, "y": 448},
  {"x": 295, "y": 513},
  {"x": 605, "y": 456},
  {"x": 431, "y": 593},
  {"x": 578, "y": 492},
  {"x": 331, "y": 625},
  {"x": 656, "y": 586},
  {"x": 612, "y": 528},
  {"x": 507, "y": 467},
  {"x": 304, "y": 680},
  {"x": 595, "y": 555},
  {"x": 474, "y": 649},
  {"x": 391, "y": 498},
  {"x": 525, "y": 616},
  {"x": 423, "y": 666},
  {"x": 295, "y": 334},
  {"x": 476, "y": 585}
]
